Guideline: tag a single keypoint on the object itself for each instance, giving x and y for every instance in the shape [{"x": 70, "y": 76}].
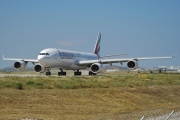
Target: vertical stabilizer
[{"x": 97, "y": 45}]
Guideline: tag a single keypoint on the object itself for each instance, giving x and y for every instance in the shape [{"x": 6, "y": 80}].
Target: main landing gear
[
  {"x": 77, "y": 73},
  {"x": 61, "y": 73},
  {"x": 91, "y": 73}
]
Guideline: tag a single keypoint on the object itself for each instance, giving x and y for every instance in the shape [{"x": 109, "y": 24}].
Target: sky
[{"x": 139, "y": 28}]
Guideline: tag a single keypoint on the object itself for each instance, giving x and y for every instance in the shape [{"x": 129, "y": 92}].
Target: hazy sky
[{"x": 140, "y": 28}]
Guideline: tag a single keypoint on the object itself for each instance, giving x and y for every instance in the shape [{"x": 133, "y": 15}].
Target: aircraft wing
[
  {"x": 120, "y": 60},
  {"x": 19, "y": 59}
]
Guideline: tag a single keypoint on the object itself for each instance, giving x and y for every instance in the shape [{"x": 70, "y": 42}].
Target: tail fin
[{"x": 97, "y": 45}]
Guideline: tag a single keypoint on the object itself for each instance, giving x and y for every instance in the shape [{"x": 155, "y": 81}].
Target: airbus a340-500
[{"x": 73, "y": 60}]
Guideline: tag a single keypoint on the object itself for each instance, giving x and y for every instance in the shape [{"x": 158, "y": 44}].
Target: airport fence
[
  {"x": 174, "y": 115},
  {"x": 147, "y": 115}
]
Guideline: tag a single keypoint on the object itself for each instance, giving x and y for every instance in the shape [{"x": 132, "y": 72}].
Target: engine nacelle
[
  {"x": 132, "y": 64},
  {"x": 39, "y": 68},
  {"x": 20, "y": 65},
  {"x": 96, "y": 67}
]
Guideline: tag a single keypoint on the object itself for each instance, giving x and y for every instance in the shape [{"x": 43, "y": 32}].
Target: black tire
[
  {"x": 61, "y": 73},
  {"x": 77, "y": 73},
  {"x": 48, "y": 73},
  {"x": 64, "y": 73},
  {"x": 90, "y": 73}
]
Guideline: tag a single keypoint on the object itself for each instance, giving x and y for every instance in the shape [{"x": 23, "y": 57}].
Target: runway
[
  {"x": 70, "y": 74},
  {"x": 20, "y": 75}
]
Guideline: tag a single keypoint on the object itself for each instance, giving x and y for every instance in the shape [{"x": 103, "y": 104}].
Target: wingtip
[
  {"x": 174, "y": 55},
  {"x": 4, "y": 57}
]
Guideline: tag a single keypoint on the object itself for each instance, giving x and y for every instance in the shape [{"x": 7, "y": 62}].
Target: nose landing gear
[{"x": 48, "y": 73}]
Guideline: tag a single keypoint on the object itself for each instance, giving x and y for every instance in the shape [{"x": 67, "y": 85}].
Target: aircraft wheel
[
  {"x": 77, "y": 73},
  {"x": 64, "y": 73},
  {"x": 91, "y": 73},
  {"x": 48, "y": 73},
  {"x": 61, "y": 73}
]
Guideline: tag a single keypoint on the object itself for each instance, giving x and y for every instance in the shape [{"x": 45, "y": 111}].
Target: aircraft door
[{"x": 59, "y": 55}]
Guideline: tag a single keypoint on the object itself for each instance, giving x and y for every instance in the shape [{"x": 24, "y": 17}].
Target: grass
[
  {"x": 99, "y": 97},
  {"x": 89, "y": 82}
]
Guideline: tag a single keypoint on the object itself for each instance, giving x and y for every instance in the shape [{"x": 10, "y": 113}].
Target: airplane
[{"x": 74, "y": 60}]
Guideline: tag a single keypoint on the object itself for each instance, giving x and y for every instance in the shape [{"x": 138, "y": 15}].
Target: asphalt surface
[
  {"x": 84, "y": 73},
  {"x": 20, "y": 75}
]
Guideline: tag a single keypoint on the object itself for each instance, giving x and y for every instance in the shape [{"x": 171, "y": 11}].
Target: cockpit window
[{"x": 43, "y": 53}]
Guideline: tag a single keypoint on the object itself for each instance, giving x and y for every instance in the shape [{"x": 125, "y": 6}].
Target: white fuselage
[{"x": 65, "y": 59}]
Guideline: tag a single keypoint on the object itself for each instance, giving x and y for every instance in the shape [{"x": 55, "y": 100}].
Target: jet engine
[
  {"x": 96, "y": 67},
  {"x": 132, "y": 64},
  {"x": 39, "y": 68},
  {"x": 20, "y": 65}
]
